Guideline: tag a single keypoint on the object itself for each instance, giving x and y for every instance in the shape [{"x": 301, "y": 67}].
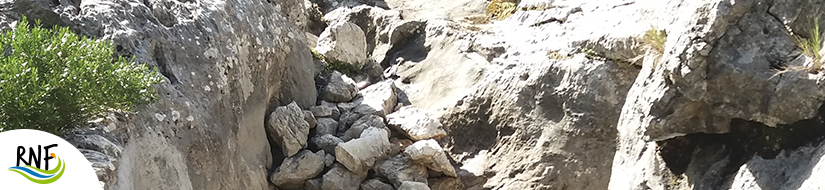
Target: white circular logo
[{"x": 32, "y": 159}]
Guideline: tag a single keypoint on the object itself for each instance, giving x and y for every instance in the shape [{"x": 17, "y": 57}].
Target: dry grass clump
[
  {"x": 655, "y": 39},
  {"x": 811, "y": 46},
  {"x": 501, "y": 9}
]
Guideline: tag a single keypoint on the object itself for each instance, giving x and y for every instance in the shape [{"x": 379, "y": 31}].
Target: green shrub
[
  {"x": 51, "y": 80},
  {"x": 501, "y": 9},
  {"x": 655, "y": 39},
  {"x": 811, "y": 46}
]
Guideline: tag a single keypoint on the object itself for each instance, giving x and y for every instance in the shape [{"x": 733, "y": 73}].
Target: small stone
[
  {"x": 347, "y": 119},
  {"x": 413, "y": 185},
  {"x": 362, "y": 123},
  {"x": 310, "y": 119},
  {"x": 326, "y": 126},
  {"x": 313, "y": 184},
  {"x": 339, "y": 178},
  {"x": 374, "y": 70},
  {"x": 347, "y": 106},
  {"x": 160, "y": 117},
  {"x": 321, "y": 111},
  {"x": 326, "y": 142},
  {"x": 360, "y": 154},
  {"x": 336, "y": 113},
  {"x": 329, "y": 159},
  {"x": 430, "y": 154},
  {"x": 375, "y": 184},
  {"x": 398, "y": 145},
  {"x": 400, "y": 168},
  {"x": 445, "y": 183}
]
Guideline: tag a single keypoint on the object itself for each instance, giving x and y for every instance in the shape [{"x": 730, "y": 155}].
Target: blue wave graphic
[{"x": 31, "y": 172}]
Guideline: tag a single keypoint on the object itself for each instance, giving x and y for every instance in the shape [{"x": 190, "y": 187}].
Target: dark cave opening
[{"x": 745, "y": 139}]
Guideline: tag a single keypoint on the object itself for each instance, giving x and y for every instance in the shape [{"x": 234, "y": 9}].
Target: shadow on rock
[{"x": 716, "y": 160}]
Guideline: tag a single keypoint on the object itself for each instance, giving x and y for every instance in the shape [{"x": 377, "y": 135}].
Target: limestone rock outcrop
[{"x": 222, "y": 69}]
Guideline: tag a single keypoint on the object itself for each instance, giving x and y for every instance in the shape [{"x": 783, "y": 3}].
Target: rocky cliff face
[
  {"x": 226, "y": 63},
  {"x": 562, "y": 94}
]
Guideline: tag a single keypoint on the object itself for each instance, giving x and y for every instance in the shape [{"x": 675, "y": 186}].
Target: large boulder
[
  {"x": 497, "y": 114},
  {"x": 339, "y": 89},
  {"x": 360, "y": 154},
  {"x": 430, "y": 154},
  {"x": 400, "y": 168},
  {"x": 724, "y": 74},
  {"x": 295, "y": 170},
  {"x": 288, "y": 128},
  {"x": 343, "y": 42},
  {"x": 415, "y": 123},
  {"x": 222, "y": 70},
  {"x": 340, "y": 178}
]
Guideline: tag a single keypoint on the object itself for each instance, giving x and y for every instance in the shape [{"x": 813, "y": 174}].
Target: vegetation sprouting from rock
[
  {"x": 335, "y": 65},
  {"x": 811, "y": 46},
  {"x": 54, "y": 79},
  {"x": 655, "y": 39},
  {"x": 501, "y": 9}
]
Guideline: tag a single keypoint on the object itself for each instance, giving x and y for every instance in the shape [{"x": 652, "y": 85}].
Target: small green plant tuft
[
  {"x": 811, "y": 46},
  {"x": 316, "y": 55},
  {"x": 501, "y": 9},
  {"x": 335, "y": 65},
  {"x": 51, "y": 80},
  {"x": 655, "y": 39},
  {"x": 346, "y": 68}
]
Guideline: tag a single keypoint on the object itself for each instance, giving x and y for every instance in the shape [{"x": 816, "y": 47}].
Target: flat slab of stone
[
  {"x": 295, "y": 170},
  {"x": 416, "y": 124}
]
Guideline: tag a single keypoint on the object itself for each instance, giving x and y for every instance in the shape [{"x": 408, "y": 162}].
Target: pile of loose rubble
[{"x": 360, "y": 139}]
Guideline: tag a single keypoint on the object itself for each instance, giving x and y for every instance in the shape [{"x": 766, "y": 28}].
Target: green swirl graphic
[{"x": 61, "y": 167}]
